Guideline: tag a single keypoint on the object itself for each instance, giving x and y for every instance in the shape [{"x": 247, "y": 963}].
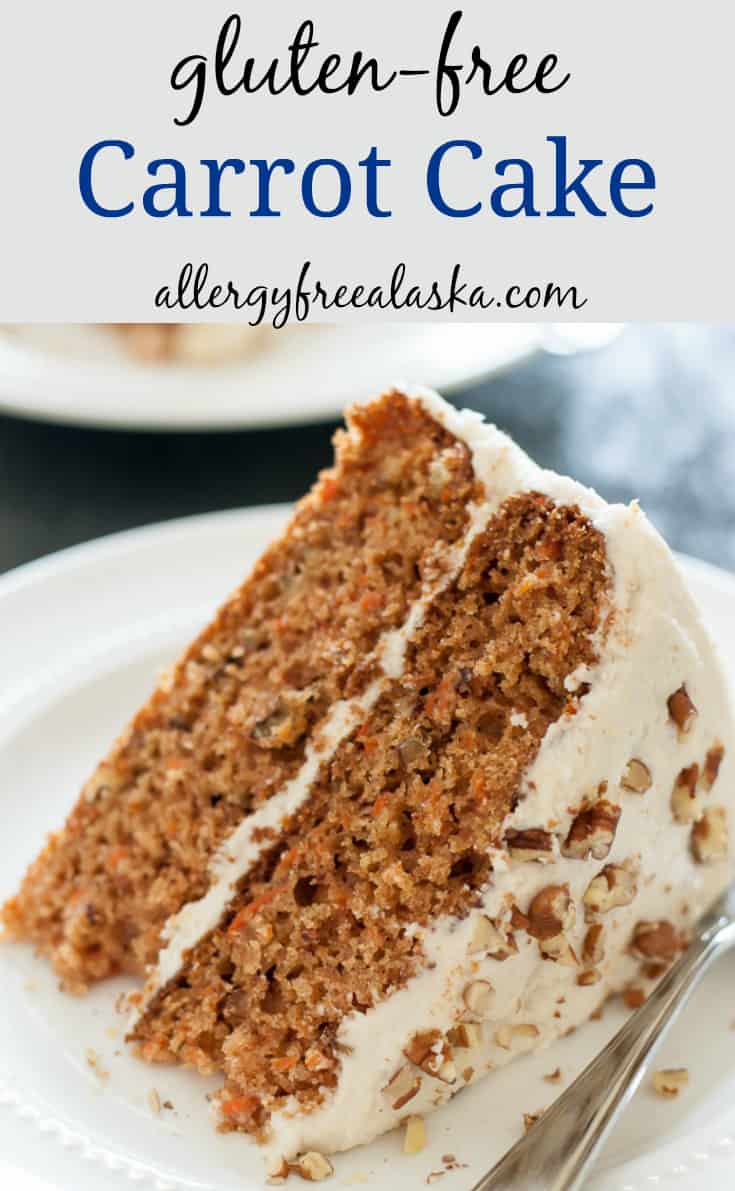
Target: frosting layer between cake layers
[
  {"x": 242, "y": 848},
  {"x": 465, "y": 999},
  {"x": 654, "y": 644}
]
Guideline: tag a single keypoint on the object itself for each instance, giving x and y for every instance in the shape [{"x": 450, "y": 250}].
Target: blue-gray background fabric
[{"x": 652, "y": 416}]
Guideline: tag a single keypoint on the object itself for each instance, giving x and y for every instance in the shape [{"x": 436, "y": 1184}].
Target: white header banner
[{"x": 280, "y": 163}]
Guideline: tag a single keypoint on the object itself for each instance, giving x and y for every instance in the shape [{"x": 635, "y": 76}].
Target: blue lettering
[
  {"x": 618, "y": 184},
  {"x": 564, "y": 188},
  {"x": 265, "y": 170},
  {"x": 307, "y": 187},
  {"x": 433, "y": 178},
  {"x": 85, "y": 179},
  {"x": 216, "y": 170},
  {"x": 371, "y": 164},
  {"x": 525, "y": 205},
  {"x": 178, "y": 186}
]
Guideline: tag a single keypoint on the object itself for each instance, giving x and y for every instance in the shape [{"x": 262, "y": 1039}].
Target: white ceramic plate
[
  {"x": 82, "y": 634},
  {"x": 80, "y": 374}
]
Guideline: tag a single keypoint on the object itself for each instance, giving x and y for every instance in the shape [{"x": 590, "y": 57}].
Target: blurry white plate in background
[
  {"x": 82, "y": 635},
  {"x": 82, "y": 374}
]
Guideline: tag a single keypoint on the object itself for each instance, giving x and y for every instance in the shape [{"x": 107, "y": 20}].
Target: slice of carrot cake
[
  {"x": 452, "y": 766},
  {"x": 190, "y": 343}
]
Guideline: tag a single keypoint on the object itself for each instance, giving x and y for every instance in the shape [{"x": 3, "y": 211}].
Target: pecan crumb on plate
[{"x": 670, "y": 1082}]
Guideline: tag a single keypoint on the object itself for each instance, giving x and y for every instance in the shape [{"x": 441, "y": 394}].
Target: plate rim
[
  {"x": 669, "y": 1162},
  {"x": 17, "y": 389}
]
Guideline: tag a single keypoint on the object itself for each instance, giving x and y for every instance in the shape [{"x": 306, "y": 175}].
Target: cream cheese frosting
[
  {"x": 655, "y": 642},
  {"x": 240, "y": 851},
  {"x": 651, "y": 644}
]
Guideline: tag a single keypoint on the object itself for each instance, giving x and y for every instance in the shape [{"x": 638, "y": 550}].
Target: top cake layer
[{"x": 234, "y": 720}]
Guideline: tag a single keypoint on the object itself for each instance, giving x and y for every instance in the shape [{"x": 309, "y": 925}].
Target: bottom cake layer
[
  {"x": 398, "y": 827},
  {"x": 336, "y": 1010},
  {"x": 619, "y": 841}
]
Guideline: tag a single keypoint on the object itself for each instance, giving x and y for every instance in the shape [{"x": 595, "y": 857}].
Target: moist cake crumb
[
  {"x": 460, "y": 733},
  {"x": 93, "y": 1061},
  {"x": 414, "y": 1138},
  {"x": 670, "y": 1082},
  {"x": 530, "y": 1119},
  {"x": 416, "y": 847},
  {"x": 233, "y": 723}
]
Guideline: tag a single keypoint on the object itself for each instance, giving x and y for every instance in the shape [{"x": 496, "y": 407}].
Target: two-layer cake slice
[{"x": 451, "y": 767}]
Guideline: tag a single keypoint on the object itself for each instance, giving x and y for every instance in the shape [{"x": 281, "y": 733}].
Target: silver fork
[{"x": 558, "y": 1150}]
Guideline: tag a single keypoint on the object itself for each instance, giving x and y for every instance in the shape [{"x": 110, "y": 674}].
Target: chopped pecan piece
[
  {"x": 278, "y": 1172},
  {"x": 518, "y": 920},
  {"x": 593, "y": 831},
  {"x": 414, "y": 1139},
  {"x": 287, "y": 723},
  {"x": 684, "y": 802},
  {"x": 402, "y": 1087},
  {"x": 465, "y": 1035},
  {"x": 614, "y": 886},
  {"x": 520, "y": 1038},
  {"x": 682, "y": 710},
  {"x": 657, "y": 940},
  {"x": 488, "y": 937},
  {"x": 421, "y": 1046},
  {"x": 431, "y": 1053},
  {"x": 558, "y": 949},
  {"x": 550, "y": 913},
  {"x": 709, "y": 836},
  {"x": 531, "y": 844},
  {"x": 314, "y": 1167},
  {"x": 637, "y": 777},
  {"x": 478, "y": 996},
  {"x": 671, "y": 1082},
  {"x": 633, "y": 997},
  {"x": 530, "y": 1119},
  {"x": 447, "y": 1072},
  {"x": 592, "y": 949},
  {"x": 712, "y": 764}
]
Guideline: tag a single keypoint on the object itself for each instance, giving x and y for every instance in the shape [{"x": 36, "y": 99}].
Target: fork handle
[{"x": 556, "y": 1153}]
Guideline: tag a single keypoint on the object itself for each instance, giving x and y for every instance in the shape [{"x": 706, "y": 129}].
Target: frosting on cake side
[
  {"x": 495, "y": 1008},
  {"x": 615, "y": 846}
]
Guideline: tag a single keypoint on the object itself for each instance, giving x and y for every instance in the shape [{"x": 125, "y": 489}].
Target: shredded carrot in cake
[
  {"x": 399, "y": 824},
  {"x": 232, "y": 722}
]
